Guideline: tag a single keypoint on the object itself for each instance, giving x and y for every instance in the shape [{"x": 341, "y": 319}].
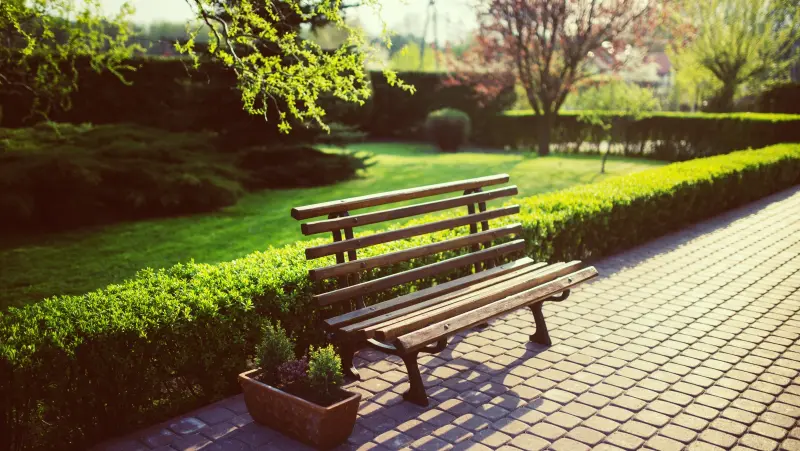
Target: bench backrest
[{"x": 341, "y": 222}]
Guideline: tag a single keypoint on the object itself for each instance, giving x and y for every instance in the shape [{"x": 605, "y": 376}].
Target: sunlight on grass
[{"x": 77, "y": 262}]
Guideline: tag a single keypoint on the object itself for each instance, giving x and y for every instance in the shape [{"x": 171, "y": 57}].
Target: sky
[{"x": 454, "y": 20}]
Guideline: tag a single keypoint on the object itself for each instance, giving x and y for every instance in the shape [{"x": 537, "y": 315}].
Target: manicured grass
[{"x": 77, "y": 262}]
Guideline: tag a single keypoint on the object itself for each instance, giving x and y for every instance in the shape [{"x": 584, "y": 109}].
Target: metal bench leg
[
  {"x": 540, "y": 336},
  {"x": 416, "y": 393},
  {"x": 348, "y": 349}
]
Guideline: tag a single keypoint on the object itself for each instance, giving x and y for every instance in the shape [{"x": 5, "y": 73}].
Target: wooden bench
[{"x": 487, "y": 283}]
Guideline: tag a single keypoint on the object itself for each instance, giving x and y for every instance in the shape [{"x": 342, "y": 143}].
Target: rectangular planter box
[{"x": 322, "y": 427}]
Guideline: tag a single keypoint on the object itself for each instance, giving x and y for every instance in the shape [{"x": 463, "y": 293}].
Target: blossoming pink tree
[{"x": 551, "y": 45}]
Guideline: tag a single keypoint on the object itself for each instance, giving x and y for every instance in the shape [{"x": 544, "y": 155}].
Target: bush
[
  {"x": 448, "y": 128},
  {"x": 297, "y": 166},
  {"x": 324, "y": 370},
  {"x": 75, "y": 369},
  {"x": 276, "y": 349},
  {"x": 780, "y": 99},
  {"x": 664, "y": 136},
  {"x": 60, "y": 176}
]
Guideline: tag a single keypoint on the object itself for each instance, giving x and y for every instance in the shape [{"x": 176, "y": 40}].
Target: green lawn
[{"x": 76, "y": 262}]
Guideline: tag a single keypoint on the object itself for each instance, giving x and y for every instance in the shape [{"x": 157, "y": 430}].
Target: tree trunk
[
  {"x": 723, "y": 101},
  {"x": 546, "y": 122}
]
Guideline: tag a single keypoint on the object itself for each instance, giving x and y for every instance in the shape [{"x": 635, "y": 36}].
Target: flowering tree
[{"x": 548, "y": 44}]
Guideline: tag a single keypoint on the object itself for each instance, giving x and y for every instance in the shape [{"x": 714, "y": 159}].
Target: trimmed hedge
[
  {"x": 167, "y": 93},
  {"x": 75, "y": 369},
  {"x": 664, "y": 136}
]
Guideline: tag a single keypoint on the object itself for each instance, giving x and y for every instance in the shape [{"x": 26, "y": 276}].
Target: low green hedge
[
  {"x": 76, "y": 369},
  {"x": 664, "y": 136}
]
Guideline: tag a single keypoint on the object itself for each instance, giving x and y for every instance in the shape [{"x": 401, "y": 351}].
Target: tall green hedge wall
[
  {"x": 76, "y": 369},
  {"x": 664, "y": 136},
  {"x": 169, "y": 94}
]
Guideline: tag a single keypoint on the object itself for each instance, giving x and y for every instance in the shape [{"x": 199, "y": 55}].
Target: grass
[{"x": 35, "y": 267}]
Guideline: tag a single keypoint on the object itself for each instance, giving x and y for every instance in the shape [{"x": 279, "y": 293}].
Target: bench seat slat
[
  {"x": 414, "y": 252},
  {"x": 363, "y": 219},
  {"x": 422, "y": 272},
  {"x": 424, "y": 294},
  {"x": 422, "y": 318},
  {"x": 372, "y": 200},
  {"x": 365, "y": 327},
  {"x": 408, "y": 232},
  {"x": 419, "y": 338}
]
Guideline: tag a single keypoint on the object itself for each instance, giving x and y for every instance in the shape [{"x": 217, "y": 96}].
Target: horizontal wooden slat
[
  {"x": 327, "y": 225},
  {"x": 422, "y": 318},
  {"x": 399, "y": 302},
  {"x": 354, "y": 203},
  {"x": 420, "y": 338},
  {"x": 366, "y": 328},
  {"x": 408, "y": 232},
  {"x": 419, "y": 273},
  {"x": 411, "y": 253}
]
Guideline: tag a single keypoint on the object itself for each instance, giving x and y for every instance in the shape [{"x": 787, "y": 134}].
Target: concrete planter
[{"x": 322, "y": 427}]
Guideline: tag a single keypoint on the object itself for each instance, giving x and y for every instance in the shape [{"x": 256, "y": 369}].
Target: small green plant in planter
[
  {"x": 325, "y": 371},
  {"x": 449, "y": 128},
  {"x": 301, "y": 397}
]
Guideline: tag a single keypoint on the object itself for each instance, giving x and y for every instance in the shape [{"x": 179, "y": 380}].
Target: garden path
[{"x": 688, "y": 342}]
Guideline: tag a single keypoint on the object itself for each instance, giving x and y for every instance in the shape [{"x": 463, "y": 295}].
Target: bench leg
[
  {"x": 416, "y": 393},
  {"x": 348, "y": 350},
  {"x": 540, "y": 336}
]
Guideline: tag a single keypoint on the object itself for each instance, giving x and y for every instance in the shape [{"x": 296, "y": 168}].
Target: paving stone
[
  {"x": 529, "y": 442},
  {"x": 768, "y": 430},
  {"x": 624, "y": 440},
  {"x": 639, "y": 429},
  {"x": 678, "y": 433},
  {"x": 430, "y": 443},
  {"x": 718, "y": 438},
  {"x": 547, "y": 431},
  {"x": 491, "y": 438},
  {"x": 662, "y": 443},
  {"x": 758, "y": 442}
]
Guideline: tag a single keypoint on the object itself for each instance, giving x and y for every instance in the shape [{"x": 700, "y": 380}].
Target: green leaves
[{"x": 275, "y": 68}]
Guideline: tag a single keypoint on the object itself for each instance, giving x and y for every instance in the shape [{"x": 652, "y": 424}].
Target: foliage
[
  {"x": 408, "y": 59},
  {"x": 780, "y": 99},
  {"x": 449, "y": 128},
  {"x": 39, "y": 266},
  {"x": 293, "y": 371},
  {"x": 169, "y": 340},
  {"x": 628, "y": 99},
  {"x": 42, "y": 40},
  {"x": 667, "y": 136},
  {"x": 614, "y": 95},
  {"x": 738, "y": 43},
  {"x": 396, "y": 114},
  {"x": 547, "y": 45},
  {"x": 60, "y": 176},
  {"x": 324, "y": 370},
  {"x": 275, "y": 350},
  {"x": 275, "y": 68}
]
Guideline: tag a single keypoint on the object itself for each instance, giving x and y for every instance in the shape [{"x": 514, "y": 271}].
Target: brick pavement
[{"x": 688, "y": 342}]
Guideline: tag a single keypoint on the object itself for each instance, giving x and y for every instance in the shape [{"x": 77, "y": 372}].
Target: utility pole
[{"x": 430, "y": 12}]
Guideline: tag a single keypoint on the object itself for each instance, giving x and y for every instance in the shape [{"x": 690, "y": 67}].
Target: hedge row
[
  {"x": 664, "y": 136},
  {"x": 75, "y": 369},
  {"x": 167, "y": 94}
]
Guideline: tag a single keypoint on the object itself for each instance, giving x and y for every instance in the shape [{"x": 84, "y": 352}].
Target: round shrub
[{"x": 448, "y": 128}]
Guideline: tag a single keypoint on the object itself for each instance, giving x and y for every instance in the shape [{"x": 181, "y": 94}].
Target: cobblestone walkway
[{"x": 689, "y": 342}]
